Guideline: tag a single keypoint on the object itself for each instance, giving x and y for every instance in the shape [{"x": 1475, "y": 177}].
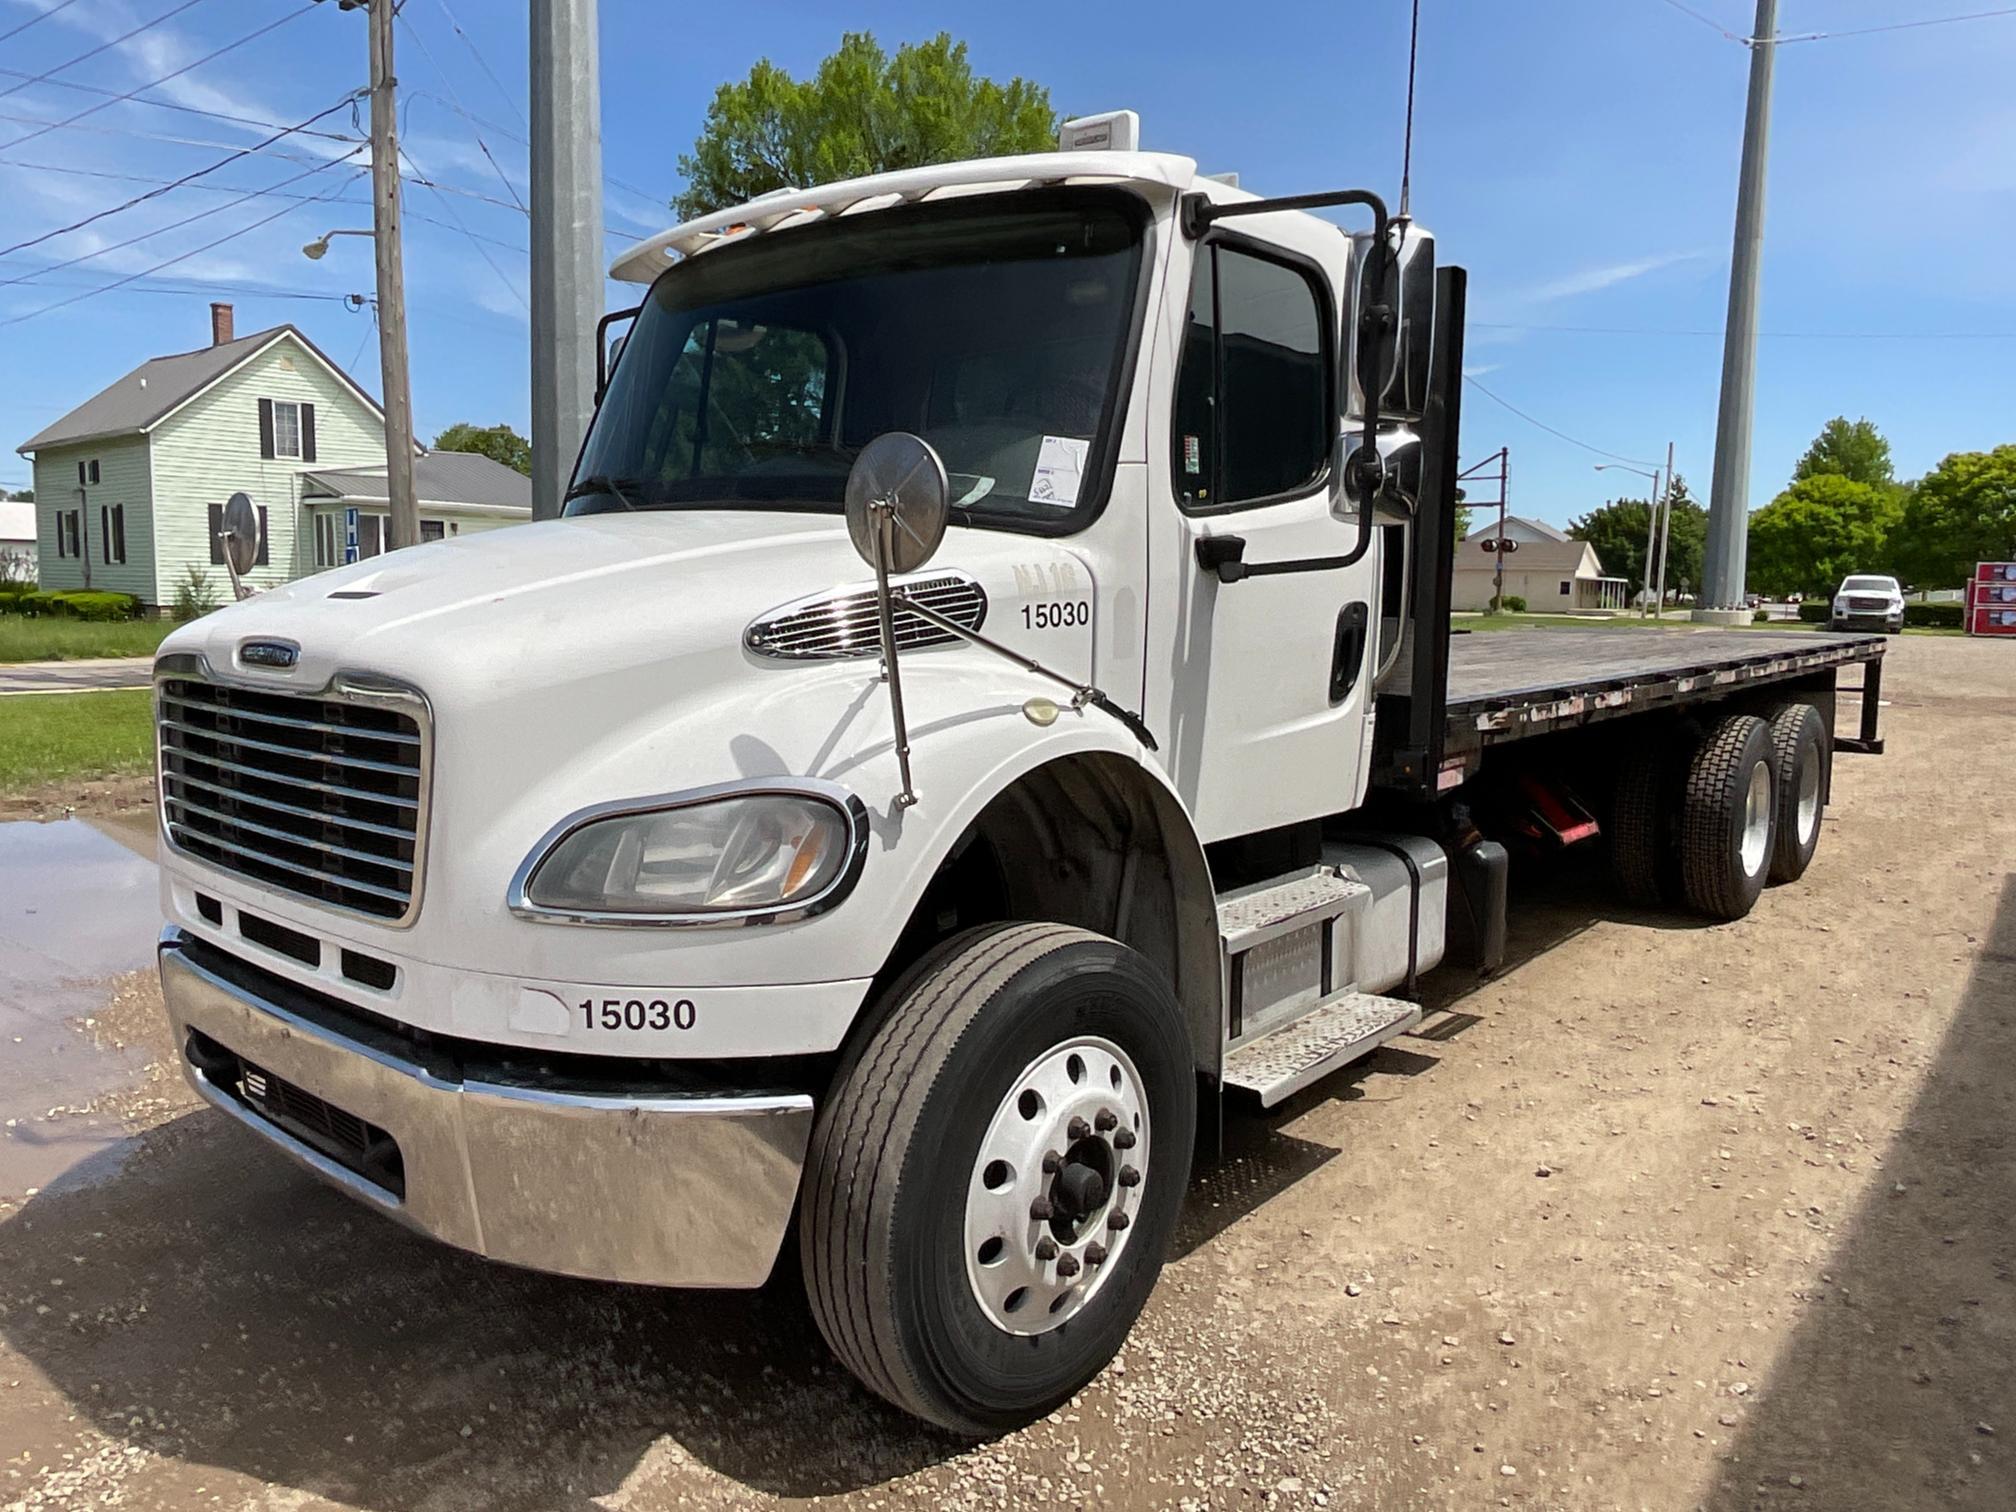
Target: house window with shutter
[
  {"x": 265, "y": 540},
  {"x": 286, "y": 430},
  {"x": 216, "y": 535},
  {"x": 67, "y": 531},
  {"x": 118, "y": 535},
  {"x": 94, "y": 469}
]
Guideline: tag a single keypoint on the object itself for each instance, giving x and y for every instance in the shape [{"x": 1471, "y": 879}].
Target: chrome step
[
  {"x": 1251, "y": 916},
  {"x": 1333, "y": 1033}
]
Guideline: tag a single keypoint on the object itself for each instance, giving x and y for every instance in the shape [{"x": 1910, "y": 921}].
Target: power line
[
  {"x": 16, "y": 31},
  {"x": 1489, "y": 325},
  {"x": 177, "y": 225},
  {"x": 1894, "y": 26},
  {"x": 196, "y": 110},
  {"x": 470, "y": 43},
  {"x": 1707, "y": 21},
  {"x": 147, "y": 136},
  {"x": 189, "y": 290},
  {"x": 481, "y": 251},
  {"x": 165, "y": 78},
  {"x": 481, "y": 145},
  {"x": 138, "y": 199},
  {"x": 93, "y": 52},
  {"x": 171, "y": 261},
  {"x": 1543, "y": 425},
  {"x": 511, "y": 136}
]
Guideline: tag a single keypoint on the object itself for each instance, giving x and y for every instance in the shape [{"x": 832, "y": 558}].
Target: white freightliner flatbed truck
[{"x": 990, "y": 699}]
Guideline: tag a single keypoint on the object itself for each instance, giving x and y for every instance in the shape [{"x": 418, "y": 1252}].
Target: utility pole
[
  {"x": 1504, "y": 485},
  {"x": 566, "y": 239},
  {"x": 1723, "y": 575},
  {"x": 1665, "y": 532},
  {"x": 385, "y": 241}
]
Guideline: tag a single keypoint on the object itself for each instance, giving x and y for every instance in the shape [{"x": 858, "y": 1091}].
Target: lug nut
[
  {"x": 1095, "y": 1253},
  {"x": 1124, "y": 1140},
  {"x": 1105, "y": 1120},
  {"x": 1129, "y": 1176},
  {"x": 1040, "y": 1209},
  {"x": 1052, "y": 1162},
  {"x": 1046, "y": 1248},
  {"x": 1117, "y": 1221},
  {"x": 1067, "y": 1265},
  {"x": 1078, "y": 1129}
]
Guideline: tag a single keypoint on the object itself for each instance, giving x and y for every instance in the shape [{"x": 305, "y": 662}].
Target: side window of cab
[{"x": 1255, "y": 398}]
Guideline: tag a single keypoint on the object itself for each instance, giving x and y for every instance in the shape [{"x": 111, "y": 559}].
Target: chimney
[{"x": 220, "y": 324}]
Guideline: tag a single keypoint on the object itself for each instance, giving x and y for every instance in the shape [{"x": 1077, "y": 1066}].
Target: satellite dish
[
  {"x": 898, "y": 478},
  {"x": 240, "y": 534}
]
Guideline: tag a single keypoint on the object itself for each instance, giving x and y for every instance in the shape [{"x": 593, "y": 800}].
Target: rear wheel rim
[
  {"x": 1756, "y": 840},
  {"x": 1057, "y": 1186},
  {"x": 1809, "y": 800}
]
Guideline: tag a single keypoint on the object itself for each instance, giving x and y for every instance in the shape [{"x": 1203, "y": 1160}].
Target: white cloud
[
  {"x": 1590, "y": 280},
  {"x": 1479, "y": 369}
]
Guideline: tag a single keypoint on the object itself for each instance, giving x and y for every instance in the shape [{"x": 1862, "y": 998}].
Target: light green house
[{"x": 129, "y": 484}]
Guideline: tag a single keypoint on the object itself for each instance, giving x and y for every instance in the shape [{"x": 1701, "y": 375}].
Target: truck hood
[{"x": 595, "y": 599}]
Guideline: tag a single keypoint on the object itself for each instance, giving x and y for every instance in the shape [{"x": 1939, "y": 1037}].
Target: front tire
[
  {"x": 996, "y": 1175},
  {"x": 1727, "y": 818}
]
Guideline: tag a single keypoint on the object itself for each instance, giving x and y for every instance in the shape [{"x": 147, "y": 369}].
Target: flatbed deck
[{"x": 1510, "y": 684}]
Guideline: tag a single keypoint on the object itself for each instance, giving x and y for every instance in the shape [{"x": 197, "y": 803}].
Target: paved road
[{"x": 76, "y": 676}]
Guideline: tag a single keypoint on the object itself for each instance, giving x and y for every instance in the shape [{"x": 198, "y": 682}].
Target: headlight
[{"x": 715, "y": 856}]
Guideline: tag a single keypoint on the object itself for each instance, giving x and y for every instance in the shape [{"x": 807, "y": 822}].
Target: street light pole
[
  {"x": 1651, "y": 527},
  {"x": 1729, "y": 492},
  {"x": 566, "y": 239},
  {"x": 1665, "y": 528}
]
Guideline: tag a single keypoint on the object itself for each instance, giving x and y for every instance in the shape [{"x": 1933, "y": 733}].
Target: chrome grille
[
  {"x": 323, "y": 797},
  {"x": 830, "y": 626},
  {"x": 1859, "y": 603}
]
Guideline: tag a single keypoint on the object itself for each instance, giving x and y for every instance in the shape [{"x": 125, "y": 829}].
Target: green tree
[
  {"x": 1818, "y": 531},
  {"x": 1854, "y": 449},
  {"x": 20, "y": 495},
  {"x": 500, "y": 443},
  {"x": 861, "y": 112},
  {"x": 1962, "y": 512},
  {"x": 1620, "y": 530}
]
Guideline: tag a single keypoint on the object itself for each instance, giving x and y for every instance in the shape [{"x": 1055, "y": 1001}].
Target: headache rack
[{"x": 320, "y": 795}]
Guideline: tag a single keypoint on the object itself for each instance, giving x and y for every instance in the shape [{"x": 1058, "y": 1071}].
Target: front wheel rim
[
  {"x": 1756, "y": 820},
  {"x": 1056, "y": 1189}
]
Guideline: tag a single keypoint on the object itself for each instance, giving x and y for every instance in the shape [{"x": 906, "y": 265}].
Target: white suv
[{"x": 1867, "y": 603}]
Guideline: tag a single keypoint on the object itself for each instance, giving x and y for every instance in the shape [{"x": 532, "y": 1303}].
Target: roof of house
[
  {"x": 1541, "y": 527},
  {"x": 439, "y": 477},
  {"x": 17, "y": 520},
  {"x": 1532, "y": 556},
  {"x": 147, "y": 395}
]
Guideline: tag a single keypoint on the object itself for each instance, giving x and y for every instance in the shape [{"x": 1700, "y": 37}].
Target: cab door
[{"x": 1261, "y": 683}]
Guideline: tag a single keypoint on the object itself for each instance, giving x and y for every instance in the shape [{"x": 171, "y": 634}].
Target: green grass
[
  {"x": 45, "y": 737},
  {"x": 24, "y": 640}
]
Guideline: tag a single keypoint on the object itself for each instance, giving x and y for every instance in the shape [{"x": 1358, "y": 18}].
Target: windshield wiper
[{"x": 602, "y": 483}]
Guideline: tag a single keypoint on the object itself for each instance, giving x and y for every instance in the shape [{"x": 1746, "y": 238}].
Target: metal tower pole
[
  {"x": 1729, "y": 493},
  {"x": 567, "y": 268}
]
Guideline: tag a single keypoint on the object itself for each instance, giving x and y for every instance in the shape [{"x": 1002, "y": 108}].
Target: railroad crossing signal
[{"x": 1499, "y": 543}]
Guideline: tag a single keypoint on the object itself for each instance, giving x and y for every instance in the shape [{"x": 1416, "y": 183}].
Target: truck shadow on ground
[{"x": 1907, "y": 1347}]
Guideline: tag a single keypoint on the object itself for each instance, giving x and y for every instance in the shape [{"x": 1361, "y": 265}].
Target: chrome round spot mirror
[
  {"x": 897, "y": 489},
  {"x": 240, "y": 533}
]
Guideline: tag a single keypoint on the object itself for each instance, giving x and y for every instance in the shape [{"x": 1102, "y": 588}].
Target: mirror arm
[
  {"x": 1081, "y": 693},
  {"x": 885, "y": 517},
  {"x": 602, "y": 346}
]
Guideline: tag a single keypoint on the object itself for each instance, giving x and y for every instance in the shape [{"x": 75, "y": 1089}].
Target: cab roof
[{"x": 782, "y": 208}]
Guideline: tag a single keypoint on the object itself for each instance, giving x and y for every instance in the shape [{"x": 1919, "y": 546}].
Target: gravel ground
[{"x": 1665, "y": 1216}]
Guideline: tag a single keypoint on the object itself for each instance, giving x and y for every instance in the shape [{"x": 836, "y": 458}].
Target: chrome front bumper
[{"x": 658, "y": 1190}]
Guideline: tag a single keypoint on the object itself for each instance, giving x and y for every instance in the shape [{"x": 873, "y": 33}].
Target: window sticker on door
[
  {"x": 1060, "y": 466},
  {"x": 1193, "y": 462}
]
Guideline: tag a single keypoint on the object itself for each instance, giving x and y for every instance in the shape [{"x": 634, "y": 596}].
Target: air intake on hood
[{"x": 832, "y": 626}]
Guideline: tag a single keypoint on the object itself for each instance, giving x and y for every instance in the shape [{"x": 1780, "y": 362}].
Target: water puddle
[{"x": 78, "y": 907}]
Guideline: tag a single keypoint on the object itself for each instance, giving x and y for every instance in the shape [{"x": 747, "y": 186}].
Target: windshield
[
  {"x": 1869, "y": 585},
  {"x": 996, "y": 329}
]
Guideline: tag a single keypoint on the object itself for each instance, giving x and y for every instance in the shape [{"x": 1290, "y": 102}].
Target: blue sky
[{"x": 1579, "y": 156}]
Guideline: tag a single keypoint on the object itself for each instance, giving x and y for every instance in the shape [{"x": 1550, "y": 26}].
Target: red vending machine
[{"x": 1991, "y": 599}]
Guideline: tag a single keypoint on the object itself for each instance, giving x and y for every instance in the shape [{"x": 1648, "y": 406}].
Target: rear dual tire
[
  {"x": 1728, "y": 818},
  {"x": 1799, "y": 754},
  {"x": 919, "y": 1181}
]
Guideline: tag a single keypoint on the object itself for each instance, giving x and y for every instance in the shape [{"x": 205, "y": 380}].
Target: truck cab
[{"x": 602, "y": 894}]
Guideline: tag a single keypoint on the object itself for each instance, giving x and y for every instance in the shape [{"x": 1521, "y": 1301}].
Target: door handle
[
  {"x": 1224, "y": 555},
  {"x": 1348, "y": 653}
]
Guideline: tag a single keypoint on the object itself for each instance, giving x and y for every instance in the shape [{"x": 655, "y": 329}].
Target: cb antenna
[{"x": 1407, "y": 150}]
